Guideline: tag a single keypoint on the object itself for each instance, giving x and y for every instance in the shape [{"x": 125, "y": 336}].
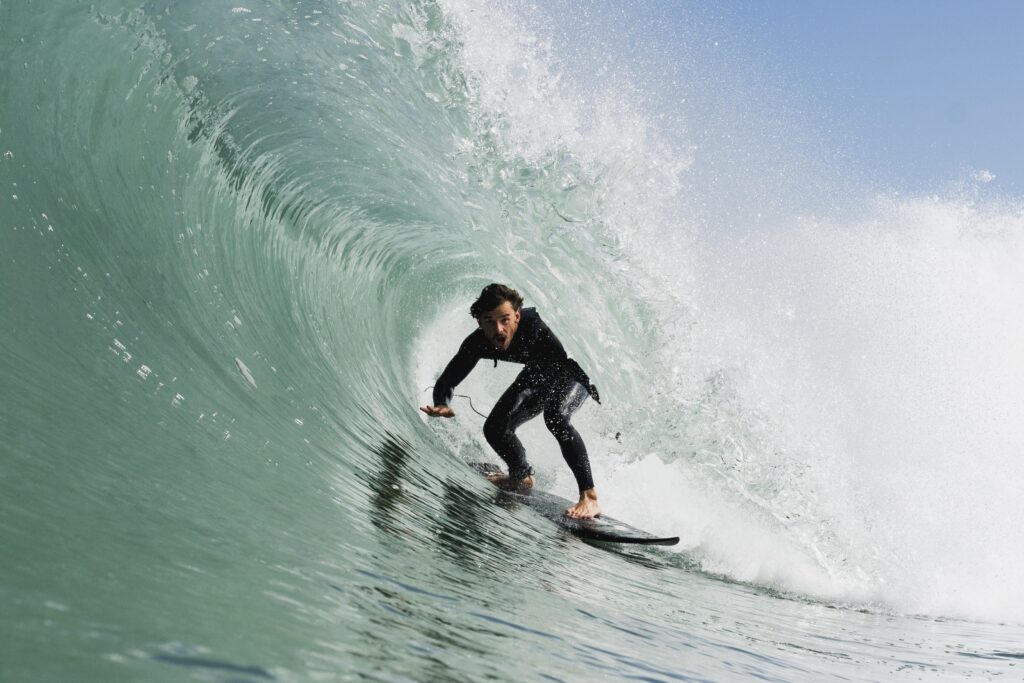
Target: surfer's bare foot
[
  {"x": 502, "y": 481},
  {"x": 587, "y": 507}
]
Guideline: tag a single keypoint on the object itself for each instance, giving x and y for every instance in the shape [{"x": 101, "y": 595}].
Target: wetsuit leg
[
  {"x": 522, "y": 401},
  {"x": 558, "y": 410}
]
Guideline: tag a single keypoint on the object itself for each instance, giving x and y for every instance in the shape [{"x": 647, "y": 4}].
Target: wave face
[{"x": 239, "y": 242}]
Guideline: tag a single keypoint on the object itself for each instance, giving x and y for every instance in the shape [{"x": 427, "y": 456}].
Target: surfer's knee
[
  {"x": 495, "y": 429},
  {"x": 557, "y": 423}
]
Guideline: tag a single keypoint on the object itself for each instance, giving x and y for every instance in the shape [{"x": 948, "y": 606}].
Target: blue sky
[
  {"x": 913, "y": 94},
  {"x": 918, "y": 91}
]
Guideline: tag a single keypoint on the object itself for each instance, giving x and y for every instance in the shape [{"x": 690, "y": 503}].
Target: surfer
[{"x": 551, "y": 383}]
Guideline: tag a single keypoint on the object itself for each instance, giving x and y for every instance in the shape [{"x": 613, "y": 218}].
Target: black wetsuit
[{"x": 551, "y": 382}]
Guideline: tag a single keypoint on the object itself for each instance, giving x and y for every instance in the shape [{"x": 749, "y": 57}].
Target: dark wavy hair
[{"x": 494, "y": 295}]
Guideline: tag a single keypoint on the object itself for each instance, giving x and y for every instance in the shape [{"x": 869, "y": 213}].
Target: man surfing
[{"x": 551, "y": 383}]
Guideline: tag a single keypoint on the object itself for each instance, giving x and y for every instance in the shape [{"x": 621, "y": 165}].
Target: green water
[{"x": 237, "y": 243}]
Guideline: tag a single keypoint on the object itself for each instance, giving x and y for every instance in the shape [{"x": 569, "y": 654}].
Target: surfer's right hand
[{"x": 438, "y": 411}]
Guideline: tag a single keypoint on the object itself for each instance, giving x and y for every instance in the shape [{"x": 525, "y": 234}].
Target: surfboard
[{"x": 601, "y": 528}]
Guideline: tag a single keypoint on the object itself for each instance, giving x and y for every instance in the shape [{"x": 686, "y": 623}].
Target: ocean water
[{"x": 238, "y": 243}]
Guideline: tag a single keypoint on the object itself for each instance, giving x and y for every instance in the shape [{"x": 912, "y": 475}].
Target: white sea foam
[{"x": 886, "y": 353}]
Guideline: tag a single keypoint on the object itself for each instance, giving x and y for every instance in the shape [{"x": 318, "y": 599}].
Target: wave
[{"x": 243, "y": 240}]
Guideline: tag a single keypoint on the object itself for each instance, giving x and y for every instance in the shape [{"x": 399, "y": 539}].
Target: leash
[{"x": 468, "y": 398}]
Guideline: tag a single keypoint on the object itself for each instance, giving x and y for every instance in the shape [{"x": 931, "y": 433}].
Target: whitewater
[{"x": 238, "y": 244}]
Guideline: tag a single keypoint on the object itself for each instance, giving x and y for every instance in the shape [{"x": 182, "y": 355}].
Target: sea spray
[{"x": 811, "y": 373}]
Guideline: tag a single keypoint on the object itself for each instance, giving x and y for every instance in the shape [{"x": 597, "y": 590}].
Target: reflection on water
[
  {"x": 216, "y": 665},
  {"x": 465, "y": 529},
  {"x": 385, "y": 484},
  {"x": 466, "y": 532}
]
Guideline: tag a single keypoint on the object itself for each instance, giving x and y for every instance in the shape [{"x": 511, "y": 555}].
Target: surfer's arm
[{"x": 456, "y": 371}]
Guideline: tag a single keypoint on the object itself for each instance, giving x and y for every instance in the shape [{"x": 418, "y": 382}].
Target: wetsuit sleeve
[{"x": 456, "y": 371}]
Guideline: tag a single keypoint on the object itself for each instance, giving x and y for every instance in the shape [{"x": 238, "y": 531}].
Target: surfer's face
[{"x": 500, "y": 324}]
